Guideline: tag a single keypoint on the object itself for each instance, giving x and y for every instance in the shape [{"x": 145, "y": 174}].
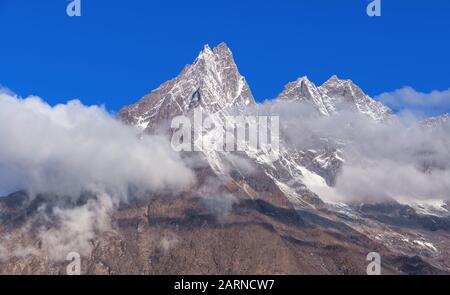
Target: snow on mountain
[
  {"x": 345, "y": 92},
  {"x": 212, "y": 81},
  {"x": 335, "y": 95},
  {"x": 304, "y": 90},
  {"x": 214, "y": 85}
]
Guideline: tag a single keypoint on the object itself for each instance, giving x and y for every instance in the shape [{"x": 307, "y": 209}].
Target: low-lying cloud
[
  {"x": 399, "y": 159},
  {"x": 68, "y": 148},
  {"x": 71, "y": 150}
]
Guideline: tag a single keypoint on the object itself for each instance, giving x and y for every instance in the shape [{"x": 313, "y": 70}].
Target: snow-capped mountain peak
[
  {"x": 336, "y": 87},
  {"x": 214, "y": 84},
  {"x": 346, "y": 94},
  {"x": 333, "y": 96},
  {"x": 212, "y": 56},
  {"x": 332, "y": 82},
  {"x": 303, "y": 90},
  {"x": 213, "y": 81}
]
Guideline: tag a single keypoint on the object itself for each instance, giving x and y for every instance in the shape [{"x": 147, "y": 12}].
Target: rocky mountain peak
[
  {"x": 333, "y": 96},
  {"x": 303, "y": 90},
  {"x": 212, "y": 82},
  {"x": 346, "y": 94},
  {"x": 336, "y": 87},
  {"x": 334, "y": 80},
  {"x": 220, "y": 53}
]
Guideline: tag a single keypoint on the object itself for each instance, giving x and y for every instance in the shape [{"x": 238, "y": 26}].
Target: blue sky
[{"x": 118, "y": 51}]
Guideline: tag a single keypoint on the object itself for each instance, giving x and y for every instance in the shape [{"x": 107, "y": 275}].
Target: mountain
[
  {"x": 333, "y": 96},
  {"x": 330, "y": 99},
  {"x": 212, "y": 81},
  {"x": 297, "y": 179},
  {"x": 214, "y": 85},
  {"x": 305, "y": 91},
  {"x": 248, "y": 212}
]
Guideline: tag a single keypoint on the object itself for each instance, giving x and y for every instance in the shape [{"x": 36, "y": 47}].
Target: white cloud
[
  {"x": 77, "y": 227},
  {"x": 408, "y": 99},
  {"x": 398, "y": 160},
  {"x": 216, "y": 199},
  {"x": 69, "y": 150}
]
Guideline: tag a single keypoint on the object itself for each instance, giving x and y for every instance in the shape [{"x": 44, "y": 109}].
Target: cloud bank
[
  {"x": 400, "y": 159},
  {"x": 71, "y": 150},
  {"x": 407, "y": 99}
]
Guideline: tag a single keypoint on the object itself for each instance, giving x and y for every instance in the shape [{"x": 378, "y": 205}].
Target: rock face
[
  {"x": 274, "y": 223},
  {"x": 212, "y": 81},
  {"x": 333, "y": 96}
]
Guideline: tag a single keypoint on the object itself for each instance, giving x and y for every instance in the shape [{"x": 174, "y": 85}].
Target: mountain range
[{"x": 248, "y": 213}]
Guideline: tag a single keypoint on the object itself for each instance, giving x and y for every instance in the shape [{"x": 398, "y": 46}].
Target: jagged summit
[
  {"x": 336, "y": 82},
  {"x": 303, "y": 90},
  {"x": 341, "y": 87},
  {"x": 221, "y": 51},
  {"x": 335, "y": 95},
  {"x": 333, "y": 80},
  {"x": 214, "y": 84},
  {"x": 347, "y": 93},
  {"x": 212, "y": 81}
]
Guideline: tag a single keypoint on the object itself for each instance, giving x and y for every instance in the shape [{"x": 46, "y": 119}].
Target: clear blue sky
[{"x": 117, "y": 51}]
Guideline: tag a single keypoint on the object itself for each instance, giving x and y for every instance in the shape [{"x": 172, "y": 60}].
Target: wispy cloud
[{"x": 407, "y": 99}]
